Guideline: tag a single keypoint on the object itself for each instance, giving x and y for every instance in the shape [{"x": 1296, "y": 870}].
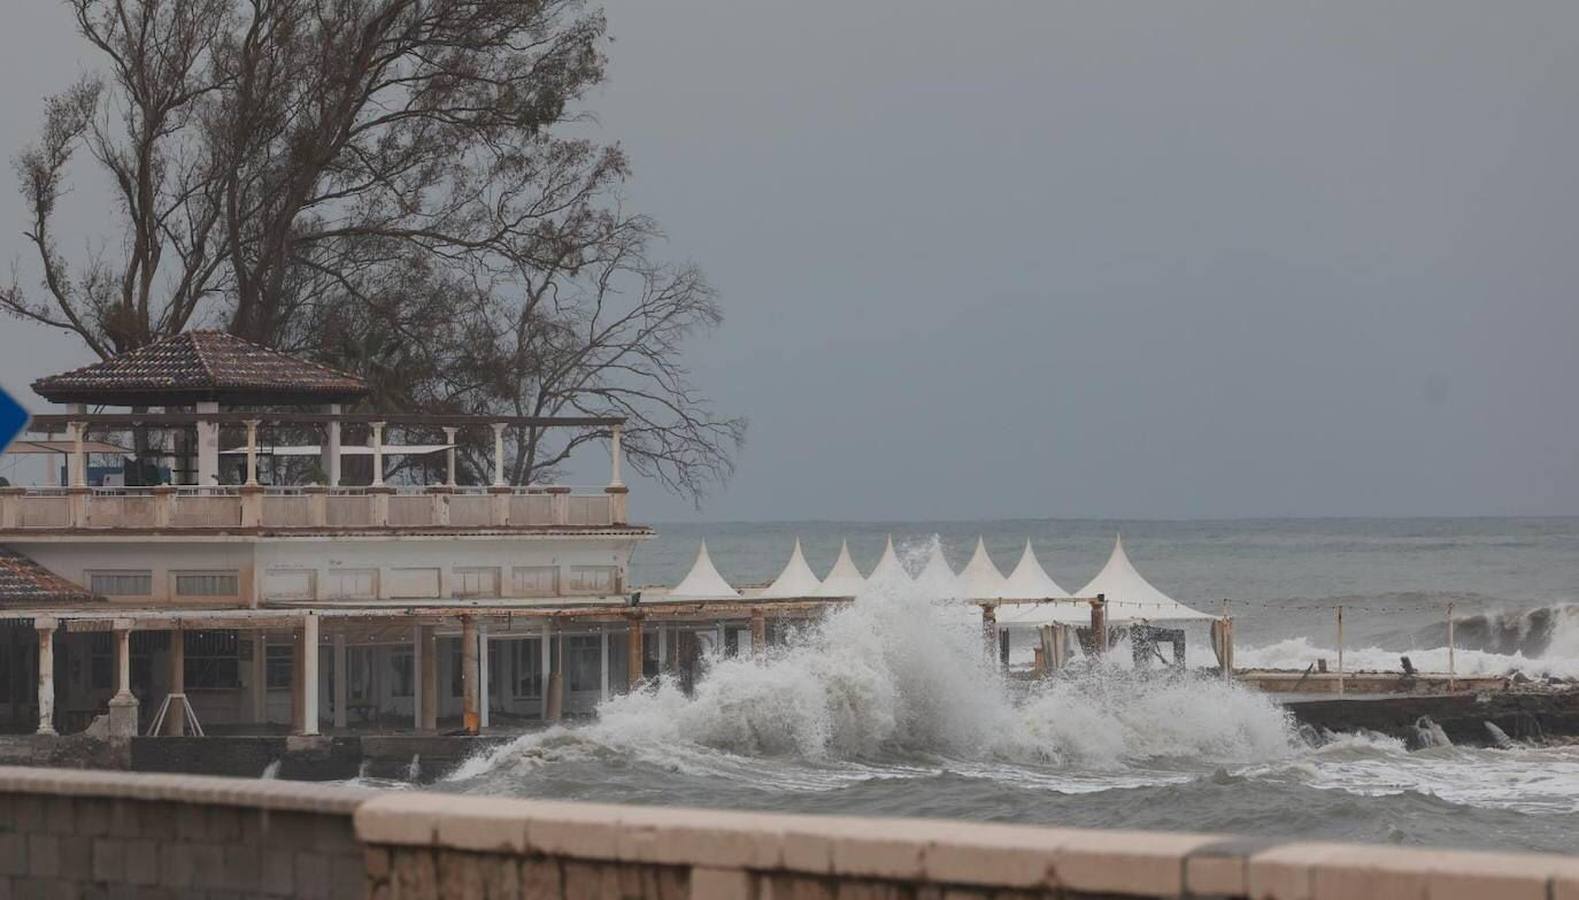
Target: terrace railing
[{"x": 309, "y": 508}]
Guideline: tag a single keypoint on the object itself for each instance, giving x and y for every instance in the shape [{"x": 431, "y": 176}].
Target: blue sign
[{"x": 13, "y": 418}]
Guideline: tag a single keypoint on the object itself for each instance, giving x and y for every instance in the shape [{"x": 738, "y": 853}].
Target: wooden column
[
  {"x": 556, "y": 679},
  {"x": 471, "y": 720},
  {"x": 341, "y": 690},
  {"x": 46, "y": 674},
  {"x": 175, "y": 710},
  {"x": 635, "y": 653},
  {"x": 429, "y": 647},
  {"x": 1099, "y": 624},
  {"x": 759, "y": 633}
]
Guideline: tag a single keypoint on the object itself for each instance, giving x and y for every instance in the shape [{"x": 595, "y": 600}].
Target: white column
[
  {"x": 482, "y": 670},
  {"x": 341, "y": 692},
  {"x": 46, "y": 674},
  {"x": 77, "y": 468},
  {"x": 309, "y": 669},
  {"x": 547, "y": 666},
  {"x": 614, "y": 458},
  {"x": 331, "y": 450},
  {"x": 471, "y": 720},
  {"x": 449, "y": 455},
  {"x": 123, "y": 659},
  {"x": 498, "y": 454},
  {"x": 376, "y": 441},
  {"x": 252, "y": 452},
  {"x": 603, "y": 650},
  {"x": 663, "y": 649},
  {"x": 416, "y": 678},
  {"x": 208, "y": 446}
]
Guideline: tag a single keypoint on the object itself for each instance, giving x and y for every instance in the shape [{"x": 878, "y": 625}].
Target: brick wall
[{"x": 66, "y": 833}]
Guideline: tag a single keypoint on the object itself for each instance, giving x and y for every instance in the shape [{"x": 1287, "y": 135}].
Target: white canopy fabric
[
  {"x": 889, "y": 570},
  {"x": 703, "y": 582},
  {"x": 797, "y": 579},
  {"x": 937, "y": 577},
  {"x": 980, "y": 579},
  {"x": 345, "y": 450},
  {"x": 1029, "y": 581},
  {"x": 844, "y": 579},
  {"x": 1131, "y": 597}
]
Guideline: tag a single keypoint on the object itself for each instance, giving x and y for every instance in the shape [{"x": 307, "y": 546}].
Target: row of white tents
[{"x": 1038, "y": 599}]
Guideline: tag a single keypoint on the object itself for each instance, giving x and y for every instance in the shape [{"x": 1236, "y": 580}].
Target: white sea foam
[
  {"x": 1301, "y": 652},
  {"x": 903, "y": 672}
]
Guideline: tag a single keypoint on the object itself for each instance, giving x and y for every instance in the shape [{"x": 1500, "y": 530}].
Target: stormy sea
[{"x": 887, "y": 707}]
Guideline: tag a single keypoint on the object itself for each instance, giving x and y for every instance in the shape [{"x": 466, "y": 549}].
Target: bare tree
[{"x": 387, "y": 185}]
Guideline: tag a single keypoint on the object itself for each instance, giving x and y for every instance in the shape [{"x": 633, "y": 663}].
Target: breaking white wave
[
  {"x": 1301, "y": 653},
  {"x": 900, "y": 673}
]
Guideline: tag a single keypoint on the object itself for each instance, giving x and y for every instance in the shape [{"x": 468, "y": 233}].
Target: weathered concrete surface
[
  {"x": 1524, "y": 716},
  {"x": 77, "y": 751},
  {"x": 317, "y": 758},
  {"x": 94, "y": 834}
]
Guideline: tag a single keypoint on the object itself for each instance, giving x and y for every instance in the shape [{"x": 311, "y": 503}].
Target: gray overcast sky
[{"x": 1110, "y": 259}]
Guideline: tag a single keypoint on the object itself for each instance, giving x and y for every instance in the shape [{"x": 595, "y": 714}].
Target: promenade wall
[{"x": 73, "y": 833}]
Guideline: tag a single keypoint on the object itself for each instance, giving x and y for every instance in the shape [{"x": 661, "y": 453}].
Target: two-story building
[{"x": 234, "y": 550}]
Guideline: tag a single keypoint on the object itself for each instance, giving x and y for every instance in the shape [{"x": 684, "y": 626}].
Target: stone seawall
[{"x": 75, "y": 833}]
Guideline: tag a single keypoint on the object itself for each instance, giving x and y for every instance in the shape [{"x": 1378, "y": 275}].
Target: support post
[
  {"x": 175, "y": 707},
  {"x": 546, "y": 663},
  {"x": 759, "y": 633},
  {"x": 252, "y": 452},
  {"x": 449, "y": 455},
  {"x": 471, "y": 721},
  {"x": 430, "y": 679},
  {"x": 341, "y": 691},
  {"x": 989, "y": 630},
  {"x": 634, "y": 650},
  {"x": 1340, "y": 651},
  {"x": 1452, "y": 680},
  {"x": 331, "y": 450},
  {"x": 207, "y": 446},
  {"x": 46, "y": 674},
  {"x": 484, "y": 684},
  {"x": 603, "y": 661},
  {"x": 123, "y": 706},
  {"x": 663, "y": 649},
  {"x": 376, "y": 441},
  {"x": 416, "y": 678},
  {"x": 556, "y": 679},
  {"x": 1099, "y": 624},
  {"x": 77, "y": 470},
  {"x": 498, "y": 454},
  {"x": 614, "y": 458},
  {"x": 260, "y": 678},
  {"x": 309, "y": 674}
]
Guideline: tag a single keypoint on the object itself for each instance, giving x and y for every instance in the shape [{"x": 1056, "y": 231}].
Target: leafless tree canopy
[{"x": 389, "y": 185}]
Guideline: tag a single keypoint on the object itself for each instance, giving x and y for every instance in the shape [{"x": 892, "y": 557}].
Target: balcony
[{"x": 310, "y": 509}]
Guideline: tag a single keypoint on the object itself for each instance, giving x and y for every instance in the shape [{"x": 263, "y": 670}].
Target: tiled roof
[
  {"x": 24, "y": 582},
  {"x": 202, "y": 365}
]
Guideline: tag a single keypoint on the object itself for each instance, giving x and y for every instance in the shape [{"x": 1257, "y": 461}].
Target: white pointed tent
[
  {"x": 703, "y": 582},
  {"x": 797, "y": 579},
  {"x": 1131, "y": 597},
  {"x": 1029, "y": 581},
  {"x": 980, "y": 579},
  {"x": 889, "y": 569},
  {"x": 844, "y": 579},
  {"x": 937, "y": 576}
]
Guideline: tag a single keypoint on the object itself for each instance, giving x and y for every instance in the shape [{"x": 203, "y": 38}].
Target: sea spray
[{"x": 902, "y": 672}]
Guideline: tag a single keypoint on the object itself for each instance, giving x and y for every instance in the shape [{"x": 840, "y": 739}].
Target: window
[
  {"x": 583, "y": 662},
  {"x": 534, "y": 581},
  {"x": 351, "y": 584},
  {"x": 212, "y": 660},
  {"x": 402, "y": 673},
  {"x": 207, "y": 584},
  {"x": 593, "y": 579},
  {"x": 526, "y": 668},
  {"x": 278, "y": 665},
  {"x": 121, "y": 584},
  {"x": 476, "y": 581}
]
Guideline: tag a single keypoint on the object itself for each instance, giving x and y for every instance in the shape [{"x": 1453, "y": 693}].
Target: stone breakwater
[{"x": 88, "y": 833}]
